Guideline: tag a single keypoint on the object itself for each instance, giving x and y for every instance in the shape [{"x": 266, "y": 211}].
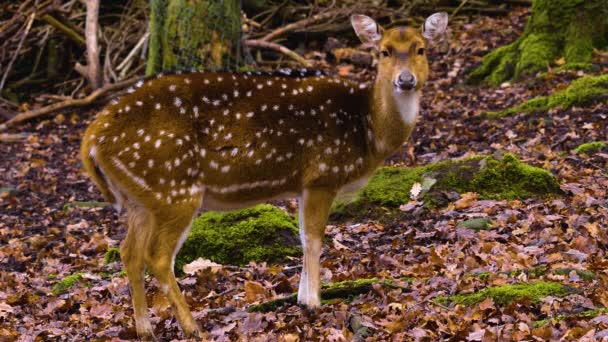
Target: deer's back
[{"x": 241, "y": 137}]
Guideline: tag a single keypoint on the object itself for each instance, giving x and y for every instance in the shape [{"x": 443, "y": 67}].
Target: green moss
[
  {"x": 261, "y": 233},
  {"x": 591, "y": 147},
  {"x": 66, "y": 284},
  {"x": 481, "y": 275},
  {"x": 505, "y": 178},
  {"x": 556, "y": 29},
  {"x": 497, "y": 66},
  {"x": 535, "y": 51},
  {"x": 200, "y": 34},
  {"x": 504, "y": 295},
  {"x": 441, "y": 300},
  {"x": 109, "y": 275},
  {"x": 112, "y": 255},
  {"x": 583, "y": 274},
  {"x": 582, "y": 91},
  {"x": 536, "y": 272},
  {"x": 340, "y": 290},
  {"x": 478, "y": 223},
  {"x": 585, "y": 314}
]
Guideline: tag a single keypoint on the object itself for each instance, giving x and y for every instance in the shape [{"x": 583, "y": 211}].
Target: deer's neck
[{"x": 393, "y": 116}]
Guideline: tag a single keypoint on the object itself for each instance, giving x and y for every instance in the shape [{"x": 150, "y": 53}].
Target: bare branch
[
  {"x": 95, "y": 95},
  {"x": 303, "y": 23},
  {"x": 10, "y": 64},
  {"x": 254, "y": 43},
  {"x": 93, "y": 73}
]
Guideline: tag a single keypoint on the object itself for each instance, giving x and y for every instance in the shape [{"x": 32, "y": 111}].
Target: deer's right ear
[{"x": 366, "y": 29}]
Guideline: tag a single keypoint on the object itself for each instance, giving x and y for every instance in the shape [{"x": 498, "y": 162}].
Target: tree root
[
  {"x": 588, "y": 89},
  {"x": 343, "y": 289}
]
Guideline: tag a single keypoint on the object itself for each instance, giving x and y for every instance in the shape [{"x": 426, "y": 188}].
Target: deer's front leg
[{"x": 314, "y": 208}]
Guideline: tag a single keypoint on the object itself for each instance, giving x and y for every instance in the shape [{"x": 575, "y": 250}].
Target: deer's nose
[{"x": 405, "y": 81}]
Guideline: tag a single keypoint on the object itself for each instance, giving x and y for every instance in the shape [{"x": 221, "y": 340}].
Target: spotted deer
[{"x": 222, "y": 141}]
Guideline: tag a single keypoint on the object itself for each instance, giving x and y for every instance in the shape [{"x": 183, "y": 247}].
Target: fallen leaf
[
  {"x": 254, "y": 291},
  {"x": 415, "y": 190},
  {"x": 201, "y": 264},
  {"x": 466, "y": 200}
]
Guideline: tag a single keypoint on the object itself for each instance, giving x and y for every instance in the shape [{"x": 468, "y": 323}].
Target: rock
[{"x": 260, "y": 233}]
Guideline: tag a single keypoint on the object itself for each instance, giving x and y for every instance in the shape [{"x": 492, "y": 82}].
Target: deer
[{"x": 180, "y": 143}]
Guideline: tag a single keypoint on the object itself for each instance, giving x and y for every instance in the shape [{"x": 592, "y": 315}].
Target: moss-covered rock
[
  {"x": 261, "y": 233},
  {"x": 478, "y": 223},
  {"x": 556, "y": 29},
  {"x": 492, "y": 178},
  {"x": 591, "y": 148},
  {"x": 582, "y": 91},
  {"x": 504, "y": 295},
  {"x": 64, "y": 285}
]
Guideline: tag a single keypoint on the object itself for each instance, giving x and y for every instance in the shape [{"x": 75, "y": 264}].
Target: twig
[
  {"x": 9, "y": 25},
  {"x": 10, "y": 64},
  {"x": 255, "y": 43},
  {"x": 302, "y": 23},
  {"x": 67, "y": 104},
  {"x": 68, "y": 31},
  {"x": 126, "y": 63},
  {"x": 15, "y": 137},
  {"x": 600, "y": 53},
  {"x": 459, "y": 7}
]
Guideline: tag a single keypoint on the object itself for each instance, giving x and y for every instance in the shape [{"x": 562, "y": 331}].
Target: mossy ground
[
  {"x": 585, "y": 90},
  {"x": 340, "y": 290},
  {"x": 65, "y": 284},
  {"x": 504, "y": 295},
  {"x": 591, "y": 147},
  {"x": 490, "y": 177},
  {"x": 537, "y": 272},
  {"x": 583, "y": 315},
  {"x": 557, "y": 29},
  {"x": 261, "y": 233},
  {"x": 583, "y": 274}
]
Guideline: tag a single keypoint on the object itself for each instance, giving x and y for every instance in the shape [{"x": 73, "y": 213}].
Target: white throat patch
[{"x": 407, "y": 103}]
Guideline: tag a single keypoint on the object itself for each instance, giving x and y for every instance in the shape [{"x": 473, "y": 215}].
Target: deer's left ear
[{"x": 435, "y": 26}]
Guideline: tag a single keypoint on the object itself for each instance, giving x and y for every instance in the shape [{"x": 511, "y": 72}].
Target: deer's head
[{"x": 402, "y": 50}]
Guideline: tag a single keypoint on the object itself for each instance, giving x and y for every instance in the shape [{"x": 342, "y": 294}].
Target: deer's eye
[
  {"x": 421, "y": 51},
  {"x": 384, "y": 53}
]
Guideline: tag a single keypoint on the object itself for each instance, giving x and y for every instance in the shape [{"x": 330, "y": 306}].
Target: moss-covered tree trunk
[
  {"x": 568, "y": 29},
  {"x": 202, "y": 34}
]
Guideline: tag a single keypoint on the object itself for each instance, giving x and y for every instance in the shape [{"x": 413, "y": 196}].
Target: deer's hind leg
[
  {"x": 172, "y": 227},
  {"x": 140, "y": 225}
]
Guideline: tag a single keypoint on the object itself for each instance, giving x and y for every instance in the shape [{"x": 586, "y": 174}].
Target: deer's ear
[
  {"x": 435, "y": 26},
  {"x": 366, "y": 29}
]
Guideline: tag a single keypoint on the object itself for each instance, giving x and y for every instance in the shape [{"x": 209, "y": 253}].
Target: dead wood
[{"x": 71, "y": 103}]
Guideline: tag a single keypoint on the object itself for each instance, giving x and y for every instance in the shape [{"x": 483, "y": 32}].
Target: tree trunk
[
  {"x": 567, "y": 29},
  {"x": 202, "y": 34}
]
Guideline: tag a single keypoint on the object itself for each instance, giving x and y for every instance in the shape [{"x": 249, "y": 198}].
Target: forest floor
[{"x": 42, "y": 240}]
